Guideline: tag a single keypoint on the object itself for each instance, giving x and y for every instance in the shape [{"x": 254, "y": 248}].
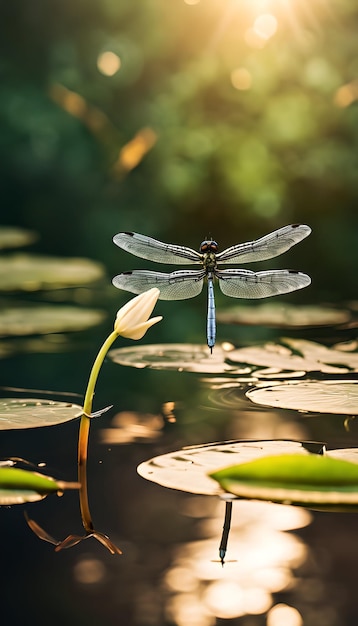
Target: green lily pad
[
  {"x": 13, "y": 237},
  {"x": 311, "y": 480},
  {"x": 18, "y": 486},
  {"x": 34, "y": 413},
  {"x": 46, "y": 318},
  {"x": 29, "y": 272},
  {"x": 339, "y": 397}
]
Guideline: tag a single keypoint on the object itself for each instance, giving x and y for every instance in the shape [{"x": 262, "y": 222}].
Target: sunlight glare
[
  {"x": 265, "y": 26},
  {"x": 186, "y": 608},
  {"x": 108, "y": 63},
  {"x": 273, "y": 579},
  {"x": 284, "y": 615},
  {"x": 257, "y": 601},
  {"x": 254, "y": 40},
  {"x": 181, "y": 579},
  {"x": 191, "y": 2},
  {"x": 241, "y": 78},
  {"x": 225, "y": 599}
]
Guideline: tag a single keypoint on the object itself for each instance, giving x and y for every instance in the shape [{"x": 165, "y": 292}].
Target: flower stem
[{"x": 83, "y": 435}]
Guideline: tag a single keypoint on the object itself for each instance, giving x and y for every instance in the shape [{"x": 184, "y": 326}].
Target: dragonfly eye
[{"x": 208, "y": 246}]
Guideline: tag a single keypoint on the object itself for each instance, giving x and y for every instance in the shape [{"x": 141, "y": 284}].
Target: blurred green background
[{"x": 182, "y": 120}]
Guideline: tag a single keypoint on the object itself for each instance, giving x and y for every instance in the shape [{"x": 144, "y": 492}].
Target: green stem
[{"x": 83, "y": 435}]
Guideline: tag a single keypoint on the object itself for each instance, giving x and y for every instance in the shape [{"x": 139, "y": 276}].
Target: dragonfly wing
[
  {"x": 178, "y": 285},
  {"x": 246, "y": 284},
  {"x": 153, "y": 250},
  {"x": 267, "y": 247}
]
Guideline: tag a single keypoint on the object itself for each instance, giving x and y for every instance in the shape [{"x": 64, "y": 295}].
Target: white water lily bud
[{"x": 132, "y": 319}]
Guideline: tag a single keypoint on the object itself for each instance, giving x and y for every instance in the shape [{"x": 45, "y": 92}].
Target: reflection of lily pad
[
  {"x": 188, "y": 469},
  {"x": 13, "y": 237},
  {"x": 328, "y": 396},
  {"x": 182, "y": 357},
  {"x": 18, "y": 486},
  {"x": 298, "y": 355},
  {"x": 27, "y": 272},
  {"x": 39, "y": 344},
  {"x": 291, "y": 478},
  {"x": 34, "y": 413},
  {"x": 43, "y": 319},
  {"x": 283, "y": 315}
]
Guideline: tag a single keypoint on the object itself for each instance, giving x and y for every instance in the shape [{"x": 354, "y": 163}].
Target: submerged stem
[{"x": 84, "y": 429}]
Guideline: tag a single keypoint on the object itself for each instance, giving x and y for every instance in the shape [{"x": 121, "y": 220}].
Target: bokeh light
[
  {"x": 284, "y": 615},
  {"x": 265, "y": 26},
  {"x": 108, "y": 63},
  {"x": 241, "y": 78},
  {"x": 89, "y": 571}
]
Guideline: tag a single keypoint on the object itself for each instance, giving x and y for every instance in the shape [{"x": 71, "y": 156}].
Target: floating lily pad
[
  {"x": 310, "y": 480},
  {"x": 188, "y": 469},
  {"x": 283, "y": 315},
  {"x": 34, "y": 413},
  {"x": 298, "y": 355},
  {"x": 345, "y": 454},
  {"x": 13, "y": 237},
  {"x": 25, "y": 272},
  {"x": 46, "y": 344},
  {"x": 46, "y": 318},
  {"x": 175, "y": 356},
  {"x": 327, "y": 396},
  {"x": 18, "y": 486}
]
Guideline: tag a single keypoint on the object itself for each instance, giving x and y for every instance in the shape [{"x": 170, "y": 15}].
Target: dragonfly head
[{"x": 208, "y": 246}]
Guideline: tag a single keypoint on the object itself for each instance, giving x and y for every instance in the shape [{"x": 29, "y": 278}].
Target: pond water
[{"x": 287, "y": 376}]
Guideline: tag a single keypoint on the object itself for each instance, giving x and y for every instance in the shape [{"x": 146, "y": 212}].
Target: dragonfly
[{"x": 236, "y": 283}]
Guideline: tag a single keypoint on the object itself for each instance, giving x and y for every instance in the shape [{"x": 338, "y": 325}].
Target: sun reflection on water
[
  {"x": 266, "y": 556},
  {"x": 284, "y": 615}
]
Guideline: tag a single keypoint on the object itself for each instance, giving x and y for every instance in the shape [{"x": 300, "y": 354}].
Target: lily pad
[
  {"x": 283, "y": 315},
  {"x": 45, "y": 319},
  {"x": 187, "y": 469},
  {"x": 34, "y": 413},
  {"x": 291, "y": 478},
  {"x": 339, "y": 397},
  {"x": 299, "y": 355},
  {"x": 18, "y": 486},
  {"x": 175, "y": 356},
  {"x": 345, "y": 454},
  {"x": 13, "y": 237},
  {"x": 25, "y": 272}
]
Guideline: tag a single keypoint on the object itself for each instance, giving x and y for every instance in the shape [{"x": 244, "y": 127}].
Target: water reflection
[
  {"x": 284, "y": 615},
  {"x": 89, "y": 570},
  {"x": 267, "y": 558},
  {"x": 130, "y": 426}
]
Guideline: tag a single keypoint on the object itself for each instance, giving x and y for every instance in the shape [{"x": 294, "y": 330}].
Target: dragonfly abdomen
[{"x": 211, "y": 321}]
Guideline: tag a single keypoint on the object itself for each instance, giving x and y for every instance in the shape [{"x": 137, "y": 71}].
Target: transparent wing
[
  {"x": 178, "y": 285},
  {"x": 266, "y": 247},
  {"x": 153, "y": 250},
  {"x": 246, "y": 284}
]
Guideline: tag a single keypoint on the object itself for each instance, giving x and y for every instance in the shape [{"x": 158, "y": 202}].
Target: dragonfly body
[{"x": 236, "y": 283}]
